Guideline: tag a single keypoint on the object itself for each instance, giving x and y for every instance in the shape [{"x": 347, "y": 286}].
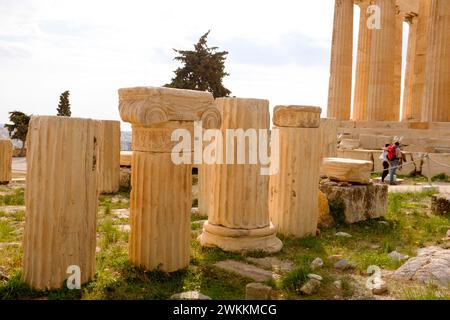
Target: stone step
[{"x": 246, "y": 270}]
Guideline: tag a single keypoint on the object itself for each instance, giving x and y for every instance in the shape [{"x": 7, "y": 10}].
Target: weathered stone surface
[
  {"x": 432, "y": 264},
  {"x": 317, "y": 264},
  {"x": 329, "y": 137},
  {"x": 437, "y": 163},
  {"x": 292, "y": 202},
  {"x": 296, "y": 116},
  {"x": 147, "y": 106},
  {"x": 160, "y": 205},
  {"x": 346, "y": 170},
  {"x": 440, "y": 204},
  {"x": 236, "y": 222},
  {"x": 343, "y": 235},
  {"x": 60, "y": 228},
  {"x": 344, "y": 264},
  {"x": 125, "y": 178},
  {"x": 125, "y": 158},
  {"x": 246, "y": 270},
  {"x": 357, "y": 203},
  {"x": 374, "y": 142},
  {"x": 272, "y": 263},
  {"x": 397, "y": 256},
  {"x": 109, "y": 157},
  {"x": 189, "y": 295},
  {"x": 325, "y": 219},
  {"x": 310, "y": 287},
  {"x": 257, "y": 291},
  {"x": 6, "y": 153},
  {"x": 348, "y": 144}
]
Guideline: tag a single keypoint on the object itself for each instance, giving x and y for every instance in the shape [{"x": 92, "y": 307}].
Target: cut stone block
[
  {"x": 6, "y": 153},
  {"x": 440, "y": 204},
  {"x": 356, "y": 202},
  {"x": 349, "y": 144},
  {"x": 246, "y": 270},
  {"x": 437, "y": 164},
  {"x": 374, "y": 142},
  {"x": 347, "y": 170},
  {"x": 296, "y": 116},
  {"x": 272, "y": 263},
  {"x": 125, "y": 158}
]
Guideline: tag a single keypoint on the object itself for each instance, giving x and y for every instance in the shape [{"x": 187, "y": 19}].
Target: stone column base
[{"x": 240, "y": 240}]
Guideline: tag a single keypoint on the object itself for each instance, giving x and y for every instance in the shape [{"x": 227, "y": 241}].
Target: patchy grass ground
[{"x": 408, "y": 226}]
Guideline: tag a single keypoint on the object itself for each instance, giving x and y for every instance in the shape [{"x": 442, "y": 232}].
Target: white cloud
[{"x": 95, "y": 47}]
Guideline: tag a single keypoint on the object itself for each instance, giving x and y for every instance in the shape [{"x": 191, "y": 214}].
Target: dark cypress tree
[
  {"x": 203, "y": 69},
  {"x": 19, "y": 127},
  {"x": 64, "y": 105}
]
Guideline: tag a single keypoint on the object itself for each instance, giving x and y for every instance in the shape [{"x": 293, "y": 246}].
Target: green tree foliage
[
  {"x": 19, "y": 128},
  {"x": 203, "y": 69},
  {"x": 64, "y": 105}
]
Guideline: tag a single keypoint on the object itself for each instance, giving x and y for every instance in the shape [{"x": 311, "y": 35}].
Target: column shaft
[
  {"x": 340, "y": 86},
  {"x": 436, "y": 103}
]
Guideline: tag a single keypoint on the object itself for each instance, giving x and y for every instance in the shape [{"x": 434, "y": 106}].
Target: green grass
[
  {"x": 407, "y": 226},
  {"x": 15, "y": 198}
]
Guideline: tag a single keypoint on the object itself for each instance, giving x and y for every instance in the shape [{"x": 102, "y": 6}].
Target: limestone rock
[
  {"x": 440, "y": 204},
  {"x": 357, "y": 203},
  {"x": 328, "y": 132},
  {"x": 272, "y": 263},
  {"x": 397, "y": 256},
  {"x": 325, "y": 219},
  {"x": 61, "y": 200},
  {"x": 338, "y": 284},
  {"x": 311, "y": 287},
  {"x": 189, "y": 295},
  {"x": 315, "y": 276},
  {"x": 432, "y": 264},
  {"x": 347, "y": 170},
  {"x": 344, "y": 264},
  {"x": 6, "y": 153},
  {"x": 245, "y": 270},
  {"x": 343, "y": 235},
  {"x": 317, "y": 263},
  {"x": 374, "y": 142},
  {"x": 257, "y": 291},
  {"x": 380, "y": 288}
]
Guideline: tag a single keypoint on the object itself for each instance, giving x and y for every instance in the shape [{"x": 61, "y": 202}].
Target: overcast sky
[{"x": 278, "y": 50}]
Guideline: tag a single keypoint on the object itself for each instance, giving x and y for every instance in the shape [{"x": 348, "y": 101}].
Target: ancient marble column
[
  {"x": 239, "y": 217},
  {"x": 436, "y": 100},
  {"x": 340, "y": 86},
  {"x": 6, "y": 152},
  {"x": 292, "y": 195},
  {"x": 362, "y": 65},
  {"x": 408, "y": 113},
  {"x": 420, "y": 60},
  {"x": 109, "y": 157},
  {"x": 398, "y": 57},
  {"x": 382, "y": 66},
  {"x": 329, "y": 133},
  {"x": 160, "y": 203},
  {"x": 61, "y": 200}
]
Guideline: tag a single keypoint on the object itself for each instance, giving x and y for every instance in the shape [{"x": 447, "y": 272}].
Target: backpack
[{"x": 392, "y": 153}]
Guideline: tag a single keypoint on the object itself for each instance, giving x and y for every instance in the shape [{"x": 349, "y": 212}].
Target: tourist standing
[{"x": 385, "y": 161}]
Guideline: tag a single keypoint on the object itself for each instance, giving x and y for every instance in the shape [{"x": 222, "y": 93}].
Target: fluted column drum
[
  {"x": 109, "y": 157},
  {"x": 293, "y": 195},
  {"x": 6, "y": 153},
  {"x": 239, "y": 217},
  {"x": 61, "y": 200}
]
